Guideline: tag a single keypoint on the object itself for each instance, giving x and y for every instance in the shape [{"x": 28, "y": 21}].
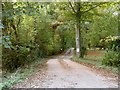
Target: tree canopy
[{"x": 40, "y": 29}]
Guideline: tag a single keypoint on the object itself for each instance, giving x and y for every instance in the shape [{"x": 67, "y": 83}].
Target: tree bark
[
  {"x": 78, "y": 31},
  {"x": 77, "y": 41}
]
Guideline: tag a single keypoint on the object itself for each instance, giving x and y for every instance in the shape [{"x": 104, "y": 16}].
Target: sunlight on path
[{"x": 63, "y": 73}]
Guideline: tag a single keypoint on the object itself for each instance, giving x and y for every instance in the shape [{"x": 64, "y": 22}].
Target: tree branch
[
  {"x": 18, "y": 22},
  {"x": 72, "y": 6},
  {"x": 93, "y": 7}
]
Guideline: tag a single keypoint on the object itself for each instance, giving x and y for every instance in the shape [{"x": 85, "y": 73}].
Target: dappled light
[{"x": 59, "y": 45}]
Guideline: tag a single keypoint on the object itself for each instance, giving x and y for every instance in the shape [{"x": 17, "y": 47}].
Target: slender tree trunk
[
  {"x": 15, "y": 31},
  {"x": 78, "y": 31},
  {"x": 77, "y": 41}
]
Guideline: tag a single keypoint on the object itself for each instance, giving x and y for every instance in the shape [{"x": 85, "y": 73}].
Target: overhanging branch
[
  {"x": 93, "y": 7},
  {"x": 71, "y": 6}
]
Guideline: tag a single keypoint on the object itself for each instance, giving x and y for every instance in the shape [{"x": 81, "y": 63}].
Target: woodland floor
[{"x": 61, "y": 72}]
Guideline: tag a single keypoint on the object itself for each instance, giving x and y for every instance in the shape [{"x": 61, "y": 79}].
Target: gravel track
[{"x": 61, "y": 72}]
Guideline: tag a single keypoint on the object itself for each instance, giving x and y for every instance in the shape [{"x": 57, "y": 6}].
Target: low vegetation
[
  {"x": 32, "y": 30},
  {"x": 20, "y": 74},
  {"x": 97, "y": 60}
]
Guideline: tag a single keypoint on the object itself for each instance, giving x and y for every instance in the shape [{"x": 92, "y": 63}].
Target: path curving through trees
[{"x": 61, "y": 72}]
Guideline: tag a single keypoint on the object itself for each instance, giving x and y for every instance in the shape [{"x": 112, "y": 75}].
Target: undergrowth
[
  {"x": 9, "y": 79},
  {"x": 96, "y": 61}
]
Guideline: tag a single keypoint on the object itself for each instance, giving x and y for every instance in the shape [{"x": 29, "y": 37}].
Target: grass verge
[
  {"x": 95, "y": 62},
  {"x": 21, "y": 73}
]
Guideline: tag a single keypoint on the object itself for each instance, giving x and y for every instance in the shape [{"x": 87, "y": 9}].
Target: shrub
[
  {"x": 111, "y": 59},
  {"x": 14, "y": 58},
  {"x": 83, "y": 51},
  {"x": 110, "y": 42}
]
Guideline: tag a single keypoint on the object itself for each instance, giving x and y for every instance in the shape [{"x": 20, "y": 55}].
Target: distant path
[{"x": 61, "y": 72}]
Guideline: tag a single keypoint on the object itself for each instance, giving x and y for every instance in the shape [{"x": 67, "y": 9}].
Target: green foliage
[
  {"x": 102, "y": 26},
  {"x": 30, "y": 29},
  {"x": 21, "y": 73},
  {"x": 6, "y": 41},
  {"x": 95, "y": 61},
  {"x": 15, "y": 58},
  {"x": 110, "y": 42},
  {"x": 28, "y": 33},
  {"x": 1, "y": 25},
  {"x": 33, "y": 29},
  {"x": 83, "y": 52},
  {"x": 111, "y": 59}
]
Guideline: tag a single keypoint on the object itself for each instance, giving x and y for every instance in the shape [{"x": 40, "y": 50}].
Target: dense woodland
[{"x": 32, "y": 30}]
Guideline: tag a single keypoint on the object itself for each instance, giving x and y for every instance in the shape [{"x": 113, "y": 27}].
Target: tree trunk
[
  {"x": 77, "y": 41},
  {"x": 78, "y": 31}
]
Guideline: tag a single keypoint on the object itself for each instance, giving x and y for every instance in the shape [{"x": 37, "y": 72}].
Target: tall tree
[{"x": 80, "y": 9}]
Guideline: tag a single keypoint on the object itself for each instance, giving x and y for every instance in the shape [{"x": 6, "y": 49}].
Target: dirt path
[{"x": 61, "y": 72}]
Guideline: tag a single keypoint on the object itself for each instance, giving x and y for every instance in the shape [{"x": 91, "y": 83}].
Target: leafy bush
[
  {"x": 111, "y": 59},
  {"x": 110, "y": 42},
  {"x": 13, "y": 58},
  {"x": 83, "y": 51}
]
